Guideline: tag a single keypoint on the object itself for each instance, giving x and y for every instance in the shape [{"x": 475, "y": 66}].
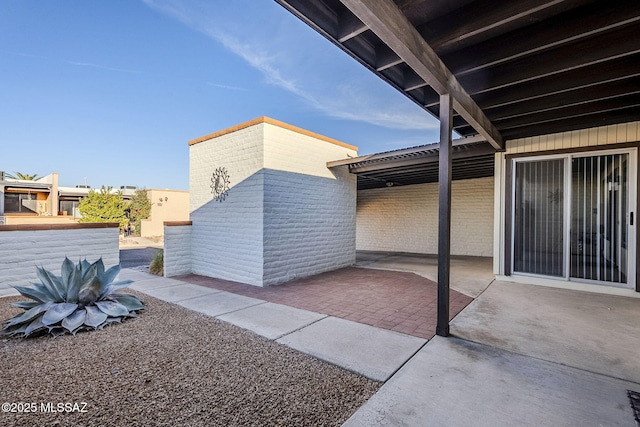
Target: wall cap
[
  {"x": 33, "y": 227},
  {"x": 273, "y": 122},
  {"x": 176, "y": 223}
]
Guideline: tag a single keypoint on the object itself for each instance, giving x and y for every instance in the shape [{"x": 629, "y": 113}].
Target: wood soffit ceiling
[{"x": 530, "y": 67}]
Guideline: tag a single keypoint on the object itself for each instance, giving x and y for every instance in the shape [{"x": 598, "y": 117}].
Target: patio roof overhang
[
  {"x": 472, "y": 157},
  {"x": 25, "y": 186},
  {"x": 500, "y": 70},
  {"x": 514, "y": 69}
]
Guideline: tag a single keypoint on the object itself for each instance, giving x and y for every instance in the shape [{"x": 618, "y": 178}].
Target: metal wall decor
[{"x": 220, "y": 184}]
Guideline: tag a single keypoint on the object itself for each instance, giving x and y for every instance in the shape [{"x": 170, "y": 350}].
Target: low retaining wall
[
  {"x": 177, "y": 248},
  {"x": 23, "y": 247}
]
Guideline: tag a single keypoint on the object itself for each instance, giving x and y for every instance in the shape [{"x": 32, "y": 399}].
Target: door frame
[{"x": 633, "y": 255}]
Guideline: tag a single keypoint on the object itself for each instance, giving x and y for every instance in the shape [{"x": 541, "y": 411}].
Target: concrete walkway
[
  {"x": 522, "y": 355},
  {"x": 372, "y": 352}
]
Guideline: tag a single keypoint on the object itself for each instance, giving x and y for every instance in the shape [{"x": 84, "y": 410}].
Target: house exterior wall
[
  {"x": 227, "y": 236},
  {"x": 38, "y": 219},
  {"x": 405, "y": 218},
  {"x": 309, "y": 210},
  {"x": 24, "y": 247},
  {"x": 585, "y": 140},
  {"x": 286, "y": 215},
  {"x": 177, "y": 248},
  {"x": 593, "y": 137},
  {"x": 166, "y": 205}
]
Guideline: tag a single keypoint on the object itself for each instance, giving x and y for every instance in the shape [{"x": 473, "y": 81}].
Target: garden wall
[
  {"x": 177, "y": 248},
  {"x": 264, "y": 206},
  {"x": 23, "y": 247}
]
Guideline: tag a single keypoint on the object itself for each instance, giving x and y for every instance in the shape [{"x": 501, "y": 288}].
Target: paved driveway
[{"x": 130, "y": 258}]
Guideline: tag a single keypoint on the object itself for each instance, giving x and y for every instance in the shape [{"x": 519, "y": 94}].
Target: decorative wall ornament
[{"x": 220, "y": 184}]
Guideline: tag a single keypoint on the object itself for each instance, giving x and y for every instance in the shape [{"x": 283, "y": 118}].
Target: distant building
[
  {"x": 166, "y": 205},
  {"x": 43, "y": 201}
]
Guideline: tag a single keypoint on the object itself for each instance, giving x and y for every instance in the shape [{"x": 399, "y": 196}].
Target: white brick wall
[
  {"x": 309, "y": 211},
  {"x": 286, "y": 215},
  {"x": 22, "y": 250},
  {"x": 405, "y": 219},
  {"x": 309, "y": 224},
  {"x": 177, "y": 250},
  {"x": 227, "y": 236}
]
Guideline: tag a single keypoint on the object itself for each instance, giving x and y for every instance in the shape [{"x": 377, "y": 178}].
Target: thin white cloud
[
  {"x": 228, "y": 87},
  {"x": 267, "y": 44},
  {"x": 103, "y": 67}
]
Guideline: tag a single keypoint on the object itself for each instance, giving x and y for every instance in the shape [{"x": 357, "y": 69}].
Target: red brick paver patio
[{"x": 397, "y": 301}]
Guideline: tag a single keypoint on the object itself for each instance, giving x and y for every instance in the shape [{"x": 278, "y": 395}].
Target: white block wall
[
  {"x": 227, "y": 236},
  {"x": 22, "y": 250},
  {"x": 286, "y": 215},
  {"x": 405, "y": 218},
  {"x": 177, "y": 250}
]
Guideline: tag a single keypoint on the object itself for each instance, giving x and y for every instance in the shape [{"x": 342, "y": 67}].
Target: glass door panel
[
  {"x": 599, "y": 229},
  {"x": 539, "y": 233}
]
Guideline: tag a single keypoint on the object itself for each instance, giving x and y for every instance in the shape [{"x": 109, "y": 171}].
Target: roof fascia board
[{"x": 404, "y": 151}]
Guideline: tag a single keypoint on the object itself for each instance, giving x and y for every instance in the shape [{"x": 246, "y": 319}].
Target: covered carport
[{"x": 496, "y": 70}]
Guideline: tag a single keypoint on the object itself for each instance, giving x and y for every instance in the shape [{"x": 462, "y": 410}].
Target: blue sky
[{"x": 109, "y": 92}]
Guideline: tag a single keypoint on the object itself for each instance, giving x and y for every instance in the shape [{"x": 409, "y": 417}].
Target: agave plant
[{"x": 82, "y": 298}]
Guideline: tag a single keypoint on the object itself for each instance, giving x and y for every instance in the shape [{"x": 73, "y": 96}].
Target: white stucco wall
[
  {"x": 177, "y": 250},
  {"x": 227, "y": 236},
  {"x": 309, "y": 216},
  {"x": 286, "y": 214},
  {"x": 22, "y": 250},
  {"x": 405, "y": 218}
]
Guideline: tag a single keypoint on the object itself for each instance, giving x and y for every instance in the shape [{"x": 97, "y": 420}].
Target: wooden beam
[
  {"x": 483, "y": 20},
  {"x": 562, "y": 29},
  {"x": 444, "y": 214},
  {"x": 386, "y": 58},
  {"x": 349, "y": 27},
  {"x": 387, "y": 21},
  {"x": 609, "y": 47}
]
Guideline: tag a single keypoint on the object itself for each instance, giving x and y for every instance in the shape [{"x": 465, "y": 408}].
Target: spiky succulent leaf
[
  {"x": 14, "y": 331},
  {"x": 60, "y": 286},
  {"x": 100, "y": 266},
  {"x": 58, "y": 312},
  {"x": 25, "y": 304},
  {"x": 111, "y": 308},
  {"x": 74, "y": 284},
  {"x": 28, "y": 315},
  {"x": 47, "y": 280},
  {"x": 108, "y": 276},
  {"x": 36, "y": 325},
  {"x": 132, "y": 302},
  {"x": 89, "y": 293},
  {"x": 115, "y": 286},
  {"x": 56, "y": 331},
  {"x": 84, "y": 267},
  {"x": 67, "y": 270},
  {"x": 82, "y": 298},
  {"x": 35, "y": 293},
  {"x": 73, "y": 322},
  {"x": 95, "y": 317}
]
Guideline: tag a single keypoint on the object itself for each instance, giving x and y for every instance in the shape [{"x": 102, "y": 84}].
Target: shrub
[
  {"x": 157, "y": 264},
  {"x": 82, "y": 298}
]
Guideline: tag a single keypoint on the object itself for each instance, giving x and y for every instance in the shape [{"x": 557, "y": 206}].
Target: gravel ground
[{"x": 171, "y": 366}]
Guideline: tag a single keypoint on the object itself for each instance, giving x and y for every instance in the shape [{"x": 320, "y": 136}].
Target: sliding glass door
[
  {"x": 539, "y": 217},
  {"x": 573, "y": 217}
]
